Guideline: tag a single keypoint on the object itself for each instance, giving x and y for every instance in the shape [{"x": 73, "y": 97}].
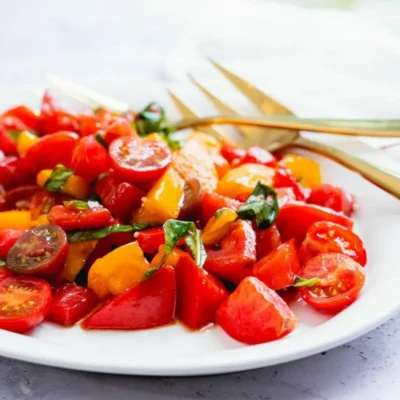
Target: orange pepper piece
[
  {"x": 163, "y": 201},
  {"x": 305, "y": 170},
  {"x": 77, "y": 255},
  {"x": 118, "y": 270},
  {"x": 25, "y": 141},
  {"x": 218, "y": 227},
  {"x": 243, "y": 179},
  {"x": 75, "y": 185},
  {"x": 172, "y": 258},
  {"x": 16, "y": 219}
]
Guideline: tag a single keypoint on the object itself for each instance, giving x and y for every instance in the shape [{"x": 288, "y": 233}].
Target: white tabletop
[{"x": 103, "y": 42}]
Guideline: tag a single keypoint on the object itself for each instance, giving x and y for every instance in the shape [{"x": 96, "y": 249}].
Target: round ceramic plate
[{"x": 172, "y": 350}]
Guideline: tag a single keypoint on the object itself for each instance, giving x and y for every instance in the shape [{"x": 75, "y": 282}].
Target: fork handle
[
  {"x": 390, "y": 182},
  {"x": 349, "y": 127}
]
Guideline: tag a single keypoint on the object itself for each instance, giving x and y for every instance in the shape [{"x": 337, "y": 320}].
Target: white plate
[{"x": 174, "y": 351}]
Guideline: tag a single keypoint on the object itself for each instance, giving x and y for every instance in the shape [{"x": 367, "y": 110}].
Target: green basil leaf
[
  {"x": 195, "y": 244},
  {"x": 14, "y": 135},
  {"x": 300, "y": 282},
  {"x": 262, "y": 205},
  {"x": 173, "y": 142},
  {"x": 78, "y": 204},
  {"x": 100, "y": 139},
  {"x": 2, "y": 262},
  {"x": 93, "y": 234},
  {"x": 58, "y": 177},
  {"x": 220, "y": 211}
]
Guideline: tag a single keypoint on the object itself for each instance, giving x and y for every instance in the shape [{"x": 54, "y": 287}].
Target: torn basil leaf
[
  {"x": 100, "y": 139},
  {"x": 14, "y": 134},
  {"x": 262, "y": 206},
  {"x": 2, "y": 262},
  {"x": 300, "y": 282},
  {"x": 93, "y": 234},
  {"x": 58, "y": 177},
  {"x": 77, "y": 204},
  {"x": 220, "y": 211}
]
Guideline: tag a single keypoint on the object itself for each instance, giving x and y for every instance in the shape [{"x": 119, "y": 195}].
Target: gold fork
[{"x": 272, "y": 140}]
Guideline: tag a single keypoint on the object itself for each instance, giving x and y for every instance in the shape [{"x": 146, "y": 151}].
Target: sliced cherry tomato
[
  {"x": 267, "y": 240},
  {"x": 235, "y": 259},
  {"x": 5, "y": 273},
  {"x": 105, "y": 117},
  {"x": 328, "y": 237},
  {"x": 53, "y": 119},
  {"x": 15, "y": 195},
  {"x": 121, "y": 198},
  {"x": 333, "y": 197},
  {"x": 192, "y": 198},
  {"x": 199, "y": 294},
  {"x": 8, "y": 170},
  {"x": 279, "y": 268},
  {"x": 120, "y": 127},
  {"x": 7, "y": 145},
  {"x": 41, "y": 251},
  {"x": 71, "y": 303},
  {"x": 24, "y": 303},
  {"x": 151, "y": 239},
  {"x": 254, "y": 314},
  {"x": 90, "y": 158},
  {"x": 232, "y": 153},
  {"x": 221, "y": 165},
  {"x": 7, "y": 239},
  {"x": 294, "y": 220},
  {"x": 88, "y": 125},
  {"x": 50, "y": 151},
  {"x": 285, "y": 179},
  {"x": 70, "y": 218},
  {"x": 139, "y": 160},
  {"x": 258, "y": 155},
  {"x": 41, "y": 203},
  {"x": 19, "y": 118},
  {"x": 341, "y": 280},
  {"x": 146, "y": 305},
  {"x": 212, "y": 202}
]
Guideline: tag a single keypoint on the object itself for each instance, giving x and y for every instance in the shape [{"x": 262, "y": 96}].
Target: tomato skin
[
  {"x": 71, "y": 218},
  {"x": 7, "y": 170},
  {"x": 295, "y": 219},
  {"x": 332, "y": 197},
  {"x": 199, "y": 294},
  {"x": 40, "y": 251},
  {"x": 151, "y": 239},
  {"x": 19, "y": 118},
  {"x": 90, "y": 158},
  {"x": 22, "y": 290},
  {"x": 24, "y": 192},
  {"x": 50, "y": 151},
  {"x": 146, "y": 305},
  {"x": 234, "y": 261},
  {"x": 328, "y": 237},
  {"x": 284, "y": 179},
  {"x": 121, "y": 198},
  {"x": 5, "y": 273},
  {"x": 267, "y": 240},
  {"x": 255, "y": 314},
  {"x": 53, "y": 119},
  {"x": 88, "y": 125},
  {"x": 258, "y": 155},
  {"x": 232, "y": 153},
  {"x": 41, "y": 203},
  {"x": 139, "y": 160},
  {"x": 212, "y": 202},
  {"x": 7, "y": 145},
  {"x": 71, "y": 303},
  {"x": 120, "y": 127},
  {"x": 342, "y": 279},
  {"x": 279, "y": 268},
  {"x": 7, "y": 239}
]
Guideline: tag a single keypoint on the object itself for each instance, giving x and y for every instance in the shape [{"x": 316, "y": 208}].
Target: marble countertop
[{"x": 102, "y": 40}]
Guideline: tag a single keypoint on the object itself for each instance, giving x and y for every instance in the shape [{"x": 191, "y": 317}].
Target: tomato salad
[{"x": 110, "y": 221}]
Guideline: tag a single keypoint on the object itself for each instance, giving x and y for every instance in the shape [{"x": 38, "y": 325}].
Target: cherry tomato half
[
  {"x": 258, "y": 155},
  {"x": 120, "y": 127},
  {"x": 8, "y": 237},
  {"x": 341, "y": 277},
  {"x": 139, "y": 160},
  {"x": 5, "y": 273},
  {"x": 19, "y": 118},
  {"x": 24, "y": 303},
  {"x": 333, "y": 197},
  {"x": 40, "y": 251},
  {"x": 328, "y": 237}
]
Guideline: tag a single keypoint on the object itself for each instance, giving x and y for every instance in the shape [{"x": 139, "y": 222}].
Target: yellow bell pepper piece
[
  {"x": 243, "y": 179},
  {"x": 75, "y": 185},
  {"x": 118, "y": 270},
  {"x": 194, "y": 161},
  {"x": 163, "y": 201},
  {"x": 16, "y": 219},
  {"x": 172, "y": 258},
  {"x": 42, "y": 220},
  {"x": 218, "y": 227},
  {"x": 307, "y": 171},
  {"x": 25, "y": 141},
  {"x": 77, "y": 255},
  {"x": 208, "y": 141}
]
